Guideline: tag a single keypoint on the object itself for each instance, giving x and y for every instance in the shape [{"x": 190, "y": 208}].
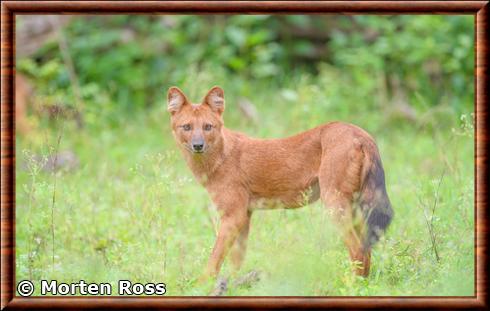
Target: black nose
[{"x": 197, "y": 147}]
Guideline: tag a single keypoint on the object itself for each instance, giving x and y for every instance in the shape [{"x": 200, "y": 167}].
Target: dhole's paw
[
  {"x": 248, "y": 279},
  {"x": 220, "y": 287}
]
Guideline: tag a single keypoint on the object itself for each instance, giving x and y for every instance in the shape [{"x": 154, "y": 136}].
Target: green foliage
[
  {"x": 132, "y": 59},
  {"x": 421, "y": 55}
]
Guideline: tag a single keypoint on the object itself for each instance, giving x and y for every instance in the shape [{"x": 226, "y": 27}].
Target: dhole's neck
[{"x": 205, "y": 164}]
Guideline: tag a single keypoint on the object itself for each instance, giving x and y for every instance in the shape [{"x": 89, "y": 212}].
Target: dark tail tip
[{"x": 377, "y": 219}]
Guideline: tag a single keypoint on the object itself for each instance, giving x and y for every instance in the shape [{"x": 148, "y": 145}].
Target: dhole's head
[{"x": 197, "y": 127}]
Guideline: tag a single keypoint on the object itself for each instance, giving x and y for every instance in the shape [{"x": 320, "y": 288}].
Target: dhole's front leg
[
  {"x": 232, "y": 225},
  {"x": 239, "y": 248}
]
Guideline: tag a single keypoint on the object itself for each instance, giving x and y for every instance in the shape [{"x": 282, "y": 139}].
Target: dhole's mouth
[{"x": 193, "y": 151}]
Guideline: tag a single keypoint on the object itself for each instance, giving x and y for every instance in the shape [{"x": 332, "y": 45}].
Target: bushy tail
[{"x": 374, "y": 202}]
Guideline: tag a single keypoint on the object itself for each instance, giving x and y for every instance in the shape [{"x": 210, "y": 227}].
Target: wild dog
[{"x": 337, "y": 162}]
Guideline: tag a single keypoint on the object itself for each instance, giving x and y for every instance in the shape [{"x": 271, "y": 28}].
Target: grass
[{"x": 133, "y": 211}]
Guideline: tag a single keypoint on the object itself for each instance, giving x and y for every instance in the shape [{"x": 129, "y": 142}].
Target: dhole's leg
[
  {"x": 352, "y": 232},
  {"x": 230, "y": 228},
  {"x": 340, "y": 181},
  {"x": 239, "y": 248},
  {"x": 360, "y": 256}
]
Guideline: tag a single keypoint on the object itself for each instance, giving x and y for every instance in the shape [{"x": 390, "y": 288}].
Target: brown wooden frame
[{"x": 11, "y": 8}]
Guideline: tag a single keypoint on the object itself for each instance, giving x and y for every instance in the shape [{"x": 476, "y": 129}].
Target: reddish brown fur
[{"x": 335, "y": 161}]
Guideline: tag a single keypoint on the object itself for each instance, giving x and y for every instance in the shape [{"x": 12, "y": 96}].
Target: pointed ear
[
  {"x": 215, "y": 99},
  {"x": 175, "y": 100}
]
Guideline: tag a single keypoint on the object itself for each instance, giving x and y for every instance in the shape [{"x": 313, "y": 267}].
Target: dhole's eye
[
  {"x": 186, "y": 127},
  {"x": 208, "y": 127}
]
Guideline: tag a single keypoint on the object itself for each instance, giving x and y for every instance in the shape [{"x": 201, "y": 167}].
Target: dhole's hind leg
[
  {"x": 352, "y": 231},
  {"x": 360, "y": 256},
  {"x": 340, "y": 183}
]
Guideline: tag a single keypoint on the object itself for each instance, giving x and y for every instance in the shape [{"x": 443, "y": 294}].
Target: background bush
[{"x": 129, "y": 58}]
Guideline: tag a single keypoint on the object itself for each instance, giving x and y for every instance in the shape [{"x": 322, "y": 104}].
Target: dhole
[{"x": 336, "y": 162}]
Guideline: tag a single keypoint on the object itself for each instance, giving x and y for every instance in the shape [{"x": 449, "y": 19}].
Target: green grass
[{"x": 133, "y": 211}]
